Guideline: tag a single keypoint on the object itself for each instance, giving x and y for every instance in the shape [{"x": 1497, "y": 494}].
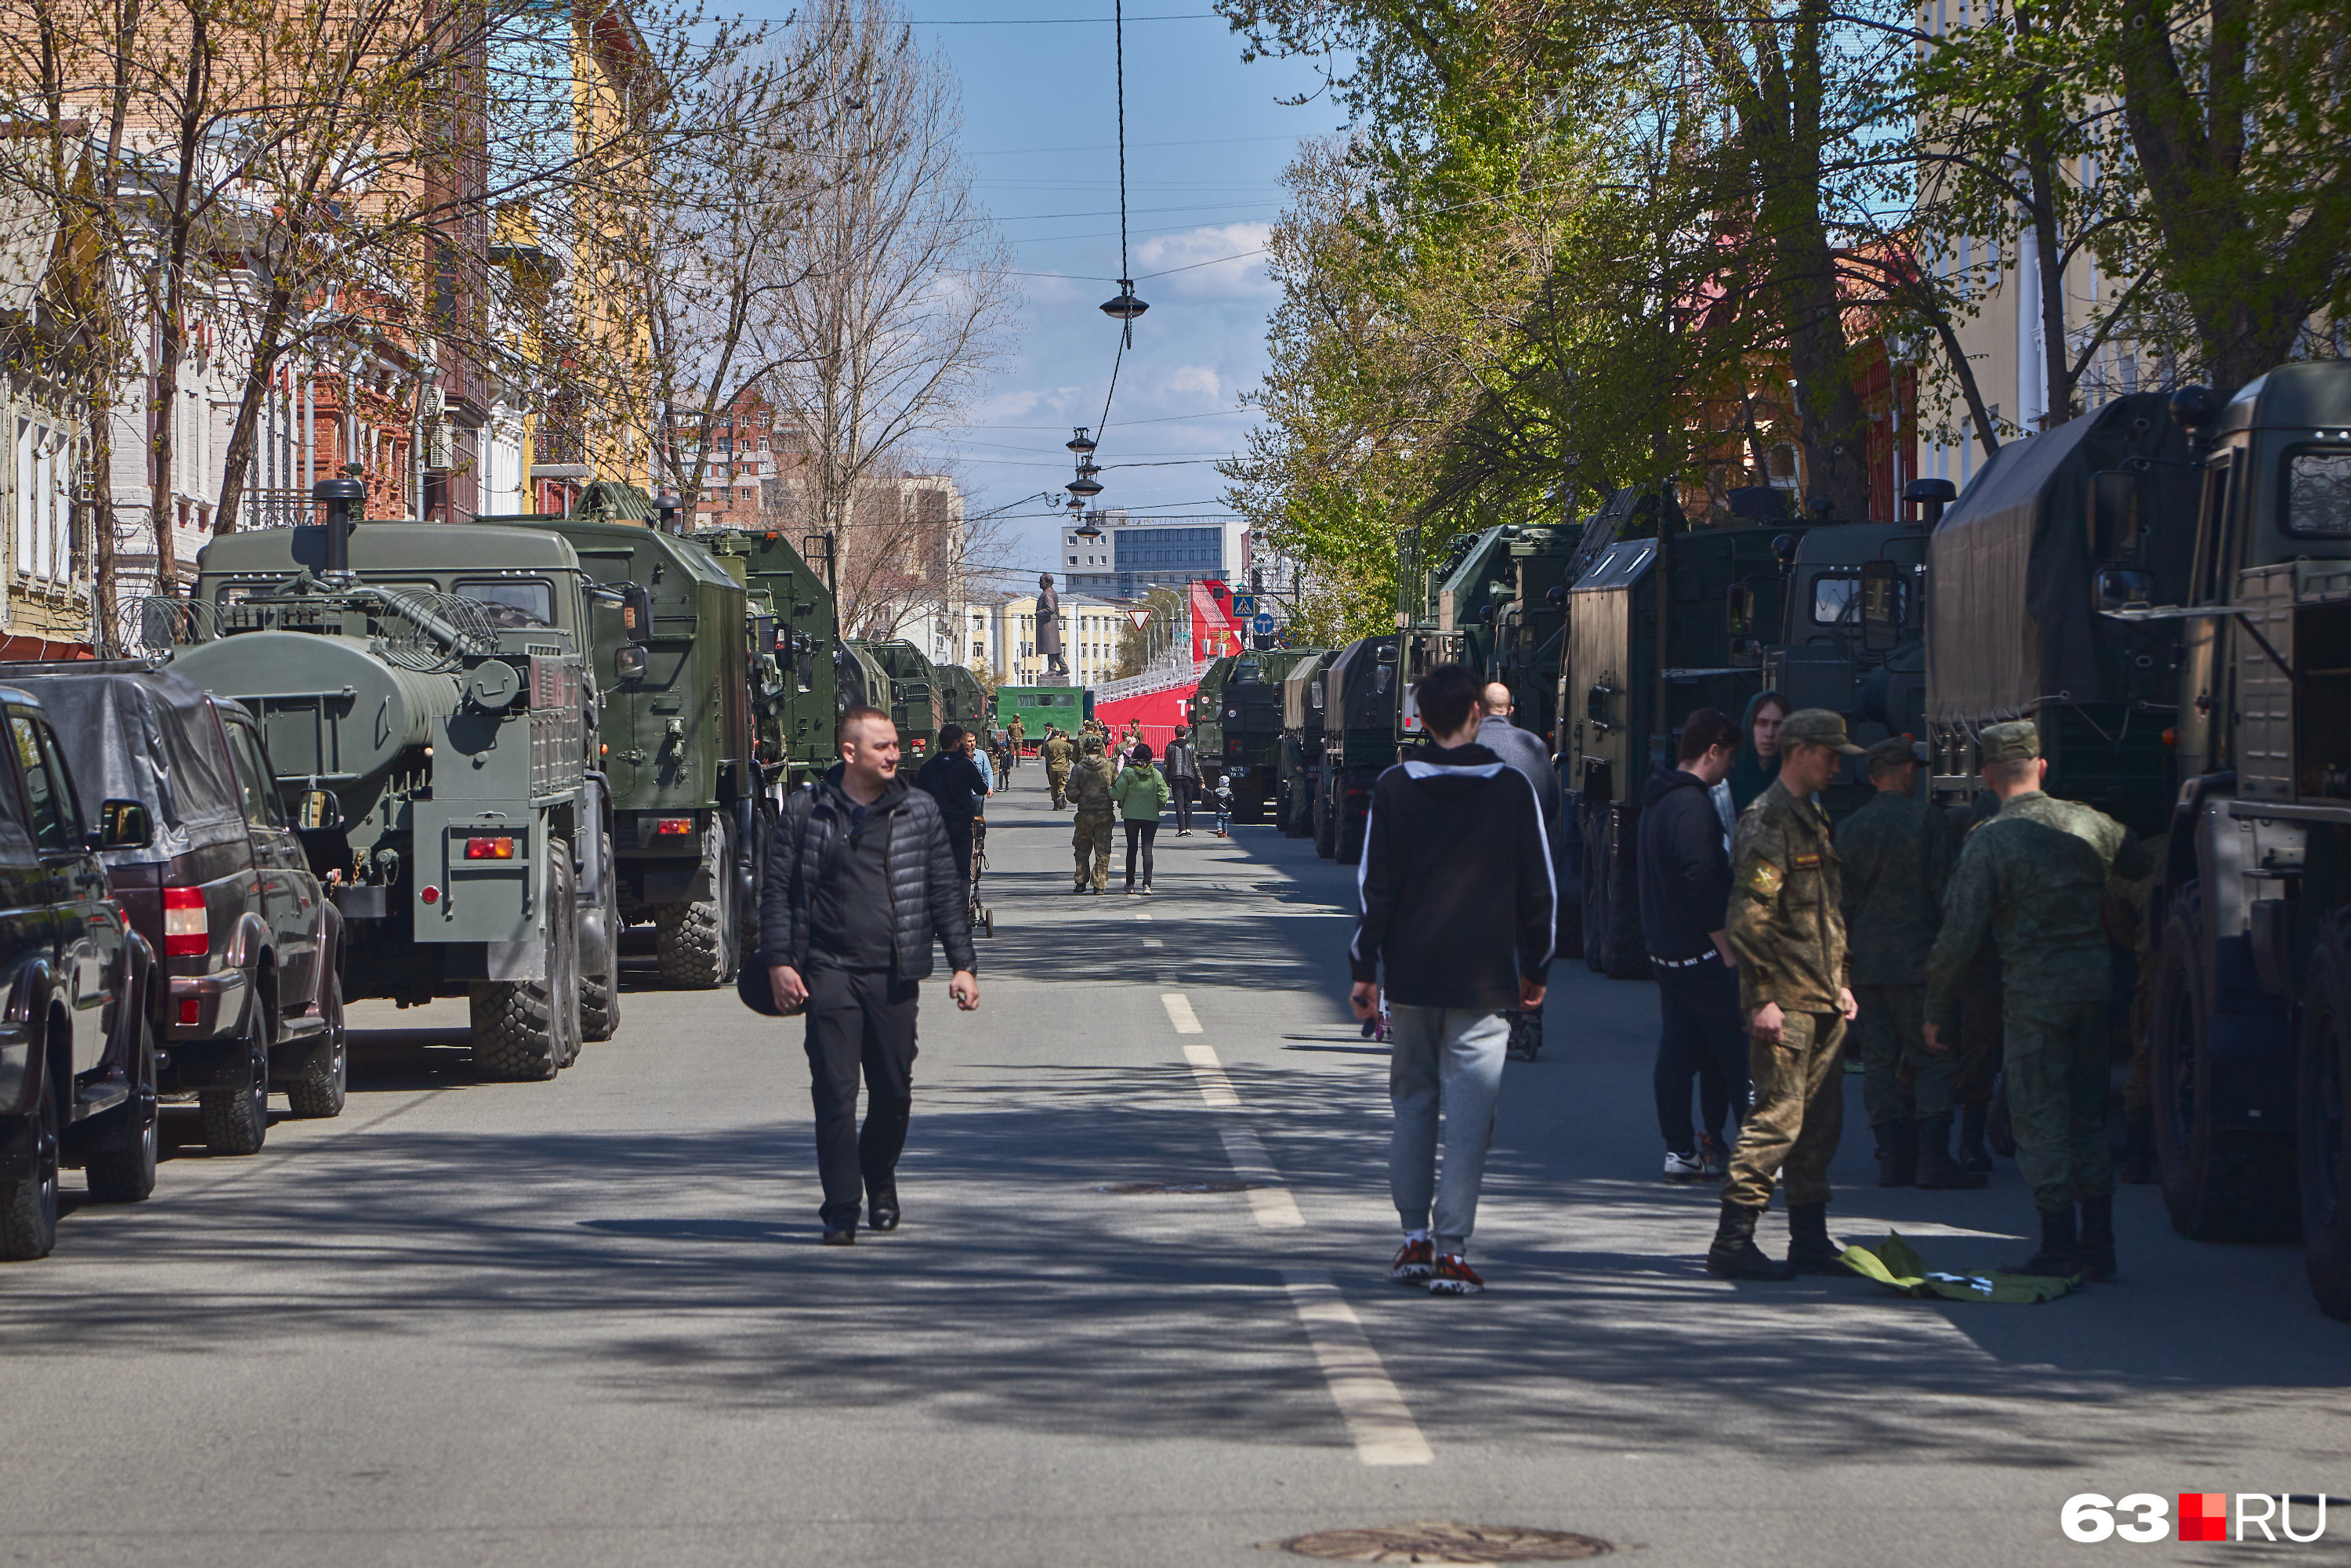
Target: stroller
[{"x": 983, "y": 919}]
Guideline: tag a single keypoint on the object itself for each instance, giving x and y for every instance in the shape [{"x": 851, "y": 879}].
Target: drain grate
[
  {"x": 1442, "y": 1541},
  {"x": 1126, "y": 1188}
]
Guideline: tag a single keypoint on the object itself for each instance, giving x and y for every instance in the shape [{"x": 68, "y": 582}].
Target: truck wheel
[
  {"x": 28, "y": 1205},
  {"x": 2219, "y": 1186},
  {"x": 1326, "y": 842},
  {"x": 599, "y": 994},
  {"x": 320, "y": 1092},
  {"x": 2322, "y": 1100},
  {"x": 237, "y": 1121},
  {"x": 526, "y": 1031},
  {"x": 1351, "y": 835},
  {"x": 695, "y": 942},
  {"x": 121, "y": 1165}
]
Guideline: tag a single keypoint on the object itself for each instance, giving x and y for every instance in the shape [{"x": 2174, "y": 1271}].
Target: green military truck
[
  {"x": 1209, "y": 719},
  {"x": 962, "y": 699},
  {"x": 425, "y": 701},
  {"x": 1359, "y": 740},
  {"x": 912, "y": 686},
  {"x": 1302, "y": 694},
  {"x": 1248, "y": 709},
  {"x": 1066, "y": 708},
  {"x": 794, "y": 634},
  {"x": 1530, "y": 624},
  {"x": 1663, "y": 620},
  {"x": 677, "y": 741}
]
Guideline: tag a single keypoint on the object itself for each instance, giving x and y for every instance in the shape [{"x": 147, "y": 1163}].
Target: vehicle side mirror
[
  {"x": 1881, "y": 605},
  {"x": 1595, "y": 704},
  {"x": 2114, "y": 515},
  {"x": 1739, "y": 609},
  {"x": 629, "y": 663},
  {"x": 318, "y": 809},
  {"x": 637, "y": 612},
  {"x": 123, "y": 825},
  {"x": 2117, "y": 588}
]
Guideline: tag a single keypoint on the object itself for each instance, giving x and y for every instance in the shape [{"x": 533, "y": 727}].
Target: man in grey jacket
[
  {"x": 1524, "y": 751},
  {"x": 858, "y": 883}
]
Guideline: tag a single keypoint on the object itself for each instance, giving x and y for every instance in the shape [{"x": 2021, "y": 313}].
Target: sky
[{"x": 1206, "y": 141}]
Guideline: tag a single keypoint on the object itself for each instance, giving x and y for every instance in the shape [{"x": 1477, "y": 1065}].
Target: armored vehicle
[
  {"x": 676, "y": 740},
  {"x": 1852, "y": 637},
  {"x": 1649, "y": 639},
  {"x": 1249, "y": 727},
  {"x": 1208, "y": 718},
  {"x": 425, "y": 702},
  {"x": 912, "y": 686},
  {"x": 1302, "y": 692},
  {"x": 794, "y": 633},
  {"x": 1359, "y": 740}
]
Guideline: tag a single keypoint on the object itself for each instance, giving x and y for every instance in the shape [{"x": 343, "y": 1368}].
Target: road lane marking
[
  {"x": 1209, "y": 1074},
  {"x": 1268, "y": 1196},
  {"x": 1153, "y": 941},
  {"x": 1377, "y": 1417},
  {"x": 1180, "y": 1014}
]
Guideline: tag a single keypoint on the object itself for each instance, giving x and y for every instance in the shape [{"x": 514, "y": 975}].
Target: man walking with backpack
[
  {"x": 1456, "y": 919},
  {"x": 860, "y": 882}
]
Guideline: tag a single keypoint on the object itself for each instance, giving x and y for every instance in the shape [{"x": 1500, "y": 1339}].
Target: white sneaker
[{"x": 1684, "y": 1167}]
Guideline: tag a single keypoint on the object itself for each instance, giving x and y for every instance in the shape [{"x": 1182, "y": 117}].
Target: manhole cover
[
  {"x": 1129, "y": 1187},
  {"x": 1439, "y": 1541}
]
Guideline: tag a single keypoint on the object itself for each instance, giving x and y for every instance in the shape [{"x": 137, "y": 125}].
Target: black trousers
[
  {"x": 1704, "y": 1038},
  {"x": 859, "y": 1019},
  {"x": 959, "y": 842},
  {"x": 1139, "y": 831},
  {"x": 1182, "y": 789}
]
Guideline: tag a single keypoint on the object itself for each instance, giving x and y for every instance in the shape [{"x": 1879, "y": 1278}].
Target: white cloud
[
  {"x": 1199, "y": 379},
  {"x": 1236, "y": 251}
]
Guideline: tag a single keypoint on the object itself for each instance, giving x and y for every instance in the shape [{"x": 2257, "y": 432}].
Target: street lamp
[{"x": 1125, "y": 308}]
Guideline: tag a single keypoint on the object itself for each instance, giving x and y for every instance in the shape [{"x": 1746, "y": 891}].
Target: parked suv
[
  {"x": 250, "y": 938},
  {"x": 78, "y": 1078}
]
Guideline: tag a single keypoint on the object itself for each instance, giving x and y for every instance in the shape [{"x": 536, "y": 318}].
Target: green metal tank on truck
[
  {"x": 1066, "y": 708},
  {"x": 794, "y": 633},
  {"x": 677, "y": 741},
  {"x": 425, "y": 698}
]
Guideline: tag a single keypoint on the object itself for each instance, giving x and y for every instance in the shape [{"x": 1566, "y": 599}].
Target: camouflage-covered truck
[
  {"x": 911, "y": 687},
  {"x": 795, "y": 636},
  {"x": 428, "y": 707}
]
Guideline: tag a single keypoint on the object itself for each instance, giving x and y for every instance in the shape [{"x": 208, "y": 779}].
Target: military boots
[
  {"x": 1897, "y": 1152},
  {"x": 2098, "y": 1238},
  {"x": 1810, "y": 1250},
  {"x": 1937, "y": 1169},
  {"x": 1734, "y": 1255},
  {"x": 1973, "y": 1156},
  {"x": 2061, "y": 1246}
]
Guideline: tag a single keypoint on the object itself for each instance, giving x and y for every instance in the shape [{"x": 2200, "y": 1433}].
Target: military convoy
[{"x": 792, "y": 644}]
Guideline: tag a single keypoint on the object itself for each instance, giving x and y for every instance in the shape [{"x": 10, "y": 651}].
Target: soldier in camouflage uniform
[
  {"x": 2035, "y": 877},
  {"x": 1787, "y": 929},
  {"x": 1975, "y": 1046},
  {"x": 1057, "y": 754},
  {"x": 1090, "y": 786},
  {"x": 1896, "y": 851}
]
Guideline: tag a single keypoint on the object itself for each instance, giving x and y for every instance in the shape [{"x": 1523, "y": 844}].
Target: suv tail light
[{"x": 187, "y": 932}]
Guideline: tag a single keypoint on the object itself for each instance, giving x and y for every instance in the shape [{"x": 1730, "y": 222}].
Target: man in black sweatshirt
[
  {"x": 1457, "y": 916},
  {"x": 1685, "y": 873}
]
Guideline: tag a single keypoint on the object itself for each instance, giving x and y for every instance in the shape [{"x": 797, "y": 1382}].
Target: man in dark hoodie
[
  {"x": 953, "y": 780},
  {"x": 1457, "y": 914},
  {"x": 1685, "y": 901},
  {"x": 859, "y": 881}
]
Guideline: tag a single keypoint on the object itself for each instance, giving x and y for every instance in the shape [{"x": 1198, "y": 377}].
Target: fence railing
[{"x": 1162, "y": 678}]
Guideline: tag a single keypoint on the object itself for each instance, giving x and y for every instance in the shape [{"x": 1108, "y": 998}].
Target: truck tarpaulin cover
[
  {"x": 150, "y": 738},
  {"x": 2011, "y": 564}
]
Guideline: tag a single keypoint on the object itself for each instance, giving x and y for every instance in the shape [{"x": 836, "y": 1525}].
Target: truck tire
[
  {"x": 237, "y": 1121},
  {"x": 526, "y": 1031},
  {"x": 2322, "y": 1100},
  {"x": 28, "y": 1205},
  {"x": 1351, "y": 834},
  {"x": 1326, "y": 842},
  {"x": 695, "y": 942},
  {"x": 2219, "y": 1185},
  {"x": 121, "y": 1163},
  {"x": 599, "y": 994},
  {"x": 320, "y": 1092}
]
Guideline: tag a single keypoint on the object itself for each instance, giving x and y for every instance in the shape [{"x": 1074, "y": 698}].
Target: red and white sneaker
[
  {"x": 1415, "y": 1262},
  {"x": 1454, "y": 1277}
]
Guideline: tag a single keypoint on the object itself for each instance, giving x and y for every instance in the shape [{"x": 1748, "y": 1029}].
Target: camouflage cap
[
  {"x": 1816, "y": 727},
  {"x": 2017, "y": 741},
  {"x": 1093, "y": 746},
  {"x": 1894, "y": 750}
]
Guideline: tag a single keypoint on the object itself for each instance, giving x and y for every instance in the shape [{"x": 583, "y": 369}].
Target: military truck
[
  {"x": 962, "y": 699},
  {"x": 1066, "y": 708},
  {"x": 1302, "y": 695},
  {"x": 794, "y": 634},
  {"x": 1530, "y": 624},
  {"x": 1249, "y": 727},
  {"x": 2232, "y": 573},
  {"x": 677, "y": 741},
  {"x": 912, "y": 687},
  {"x": 1359, "y": 740},
  {"x": 1663, "y": 620},
  {"x": 1208, "y": 718},
  {"x": 428, "y": 709}
]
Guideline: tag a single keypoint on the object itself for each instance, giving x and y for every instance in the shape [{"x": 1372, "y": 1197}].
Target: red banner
[{"x": 1215, "y": 632}]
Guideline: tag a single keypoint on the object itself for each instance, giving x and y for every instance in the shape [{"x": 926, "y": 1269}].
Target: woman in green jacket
[{"x": 1142, "y": 795}]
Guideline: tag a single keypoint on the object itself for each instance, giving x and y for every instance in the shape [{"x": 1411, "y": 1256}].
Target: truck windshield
[
  {"x": 2318, "y": 495},
  {"x": 532, "y": 600}
]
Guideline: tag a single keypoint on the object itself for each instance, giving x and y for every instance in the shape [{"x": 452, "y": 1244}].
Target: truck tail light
[
  {"x": 187, "y": 931},
  {"x": 429, "y": 894},
  {"x": 191, "y": 1011},
  {"x": 673, "y": 827},
  {"x": 490, "y": 849}
]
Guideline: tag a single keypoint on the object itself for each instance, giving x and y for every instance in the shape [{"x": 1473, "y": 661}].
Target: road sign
[
  {"x": 1139, "y": 617},
  {"x": 1264, "y": 624},
  {"x": 1244, "y": 606}
]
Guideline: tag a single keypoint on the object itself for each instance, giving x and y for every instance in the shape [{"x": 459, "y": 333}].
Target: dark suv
[
  {"x": 78, "y": 1080},
  {"x": 251, "y": 941}
]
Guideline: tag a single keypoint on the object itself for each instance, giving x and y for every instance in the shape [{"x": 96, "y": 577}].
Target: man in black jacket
[
  {"x": 1183, "y": 778},
  {"x": 859, "y": 882},
  {"x": 953, "y": 780},
  {"x": 1685, "y": 870},
  {"x": 1457, "y": 914}
]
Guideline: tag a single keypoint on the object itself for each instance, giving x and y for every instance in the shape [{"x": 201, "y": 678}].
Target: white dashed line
[
  {"x": 1376, "y": 1415},
  {"x": 1180, "y": 1014},
  {"x": 1153, "y": 941}
]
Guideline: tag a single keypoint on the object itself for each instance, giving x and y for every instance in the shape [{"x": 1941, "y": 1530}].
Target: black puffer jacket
[
  {"x": 928, "y": 898},
  {"x": 1685, "y": 872}
]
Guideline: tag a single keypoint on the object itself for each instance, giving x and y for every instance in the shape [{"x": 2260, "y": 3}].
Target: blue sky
[{"x": 1207, "y": 142}]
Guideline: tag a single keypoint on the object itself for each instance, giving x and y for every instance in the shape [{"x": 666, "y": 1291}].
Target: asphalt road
[{"x": 588, "y": 1322}]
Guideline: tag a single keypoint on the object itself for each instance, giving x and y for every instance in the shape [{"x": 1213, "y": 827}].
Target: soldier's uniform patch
[
  {"x": 1807, "y": 862},
  {"x": 1766, "y": 878}
]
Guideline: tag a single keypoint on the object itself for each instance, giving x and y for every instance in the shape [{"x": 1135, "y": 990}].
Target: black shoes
[
  {"x": 1810, "y": 1250},
  {"x": 1734, "y": 1255},
  {"x": 2061, "y": 1245},
  {"x": 847, "y": 1237},
  {"x": 1973, "y": 1156},
  {"x": 2099, "y": 1239},
  {"x": 1898, "y": 1153},
  {"x": 1937, "y": 1169},
  {"x": 883, "y": 1214}
]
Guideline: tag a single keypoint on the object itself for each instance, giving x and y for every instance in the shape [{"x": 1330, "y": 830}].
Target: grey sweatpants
[{"x": 1452, "y": 1058}]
